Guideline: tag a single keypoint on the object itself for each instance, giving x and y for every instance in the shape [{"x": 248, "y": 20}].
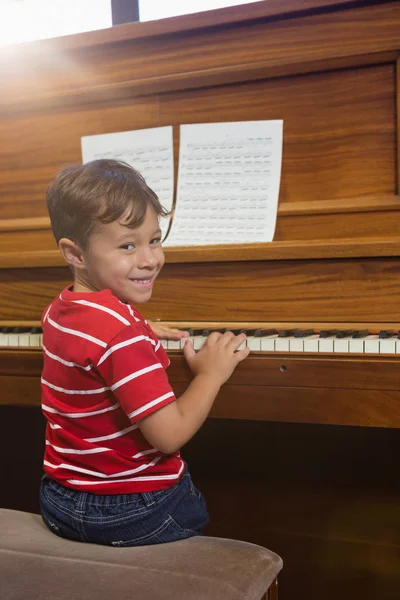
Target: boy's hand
[
  {"x": 219, "y": 356},
  {"x": 167, "y": 333}
]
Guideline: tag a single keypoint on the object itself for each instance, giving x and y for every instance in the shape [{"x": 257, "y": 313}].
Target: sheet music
[
  {"x": 149, "y": 151},
  {"x": 228, "y": 187}
]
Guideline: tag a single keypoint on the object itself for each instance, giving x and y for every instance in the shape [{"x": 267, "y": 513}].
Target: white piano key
[
  {"x": 199, "y": 341},
  {"x": 13, "y": 339},
  {"x": 268, "y": 343},
  {"x": 23, "y": 339},
  {"x": 182, "y": 341},
  {"x": 387, "y": 346},
  {"x": 341, "y": 345},
  {"x": 164, "y": 344},
  {"x": 173, "y": 345},
  {"x": 35, "y": 340},
  {"x": 3, "y": 339},
  {"x": 254, "y": 343},
  {"x": 371, "y": 344},
  {"x": 326, "y": 344},
  {"x": 296, "y": 344},
  {"x": 397, "y": 346},
  {"x": 356, "y": 346},
  {"x": 311, "y": 343},
  {"x": 282, "y": 344}
]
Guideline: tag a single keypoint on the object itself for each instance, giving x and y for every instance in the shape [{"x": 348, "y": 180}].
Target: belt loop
[{"x": 148, "y": 498}]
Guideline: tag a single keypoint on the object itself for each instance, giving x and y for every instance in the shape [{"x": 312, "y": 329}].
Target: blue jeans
[{"x": 125, "y": 519}]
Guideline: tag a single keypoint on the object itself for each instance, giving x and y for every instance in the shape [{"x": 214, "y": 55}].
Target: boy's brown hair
[{"x": 100, "y": 191}]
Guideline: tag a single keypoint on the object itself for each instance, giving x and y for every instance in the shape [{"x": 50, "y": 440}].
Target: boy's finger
[
  {"x": 242, "y": 354},
  {"x": 236, "y": 341},
  {"x": 188, "y": 350}
]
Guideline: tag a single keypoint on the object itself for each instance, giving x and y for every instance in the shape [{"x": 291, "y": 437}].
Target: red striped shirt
[{"x": 104, "y": 370}]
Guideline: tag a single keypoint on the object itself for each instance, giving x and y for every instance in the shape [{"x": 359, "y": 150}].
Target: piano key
[
  {"x": 341, "y": 344},
  {"x": 344, "y": 333},
  {"x": 387, "y": 346},
  {"x": 268, "y": 342},
  {"x": 13, "y": 337},
  {"x": 371, "y": 344},
  {"x": 35, "y": 340},
  {"x": 327, "y": 333},
  {"x": 282, "y": 344},
  {"x": 302, "y": 333},
  {"x": 23, "y": 339},
  {"x": 326, "y": 344},
  {"x": 286, "y": 333},
  {"x": 356, "y": 345},
  {"x": 182, "y": 341},
  {"x": 200, "y": 339},
  {"x": 173, "y": 344},
  {"x": 311, "y": 343},
  {"x": 296, "y": 344},
  {"x": 360, "y": 333},
  {"x": 386, "y": 333},
  {"x": 254, "y": 342}
]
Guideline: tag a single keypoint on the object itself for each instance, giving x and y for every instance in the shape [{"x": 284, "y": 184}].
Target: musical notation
[{"x": 149, "y": 151}]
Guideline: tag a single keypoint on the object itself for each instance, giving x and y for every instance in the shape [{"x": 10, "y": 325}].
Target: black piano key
[
  {"x": 301, "y": 333},
  {"x": 386, "y": 333},
  {"x": 35, "y": 330},
  {"x": 286, "y": 332},
  {"x": 325, "y": 333},
  {"x": 345, "y": 333},
  {"x": 360, "y": 333},
  {"x": 265, "y": 332}
]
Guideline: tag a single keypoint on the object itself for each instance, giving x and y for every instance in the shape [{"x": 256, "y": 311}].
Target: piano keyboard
[
  {"x": 351, "y": 341},
  {"x": 300, "y": 340}
]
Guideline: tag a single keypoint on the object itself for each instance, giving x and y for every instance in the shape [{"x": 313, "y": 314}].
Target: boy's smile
[{"x": 124, "y": 260}]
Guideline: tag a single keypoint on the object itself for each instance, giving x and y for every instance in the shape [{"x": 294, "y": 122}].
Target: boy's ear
[{"x": 71, "y": 253}]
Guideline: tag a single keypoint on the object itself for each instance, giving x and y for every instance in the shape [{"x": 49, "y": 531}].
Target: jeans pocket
[{"x": 168, "y": 531}]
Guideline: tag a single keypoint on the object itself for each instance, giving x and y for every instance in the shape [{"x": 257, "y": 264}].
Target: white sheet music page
[
  {"x": 149, "y": 151},
  {"x": 228, "y": 187}
]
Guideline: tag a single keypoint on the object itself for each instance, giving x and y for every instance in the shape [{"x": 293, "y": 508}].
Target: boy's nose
[{"x": 146, "y": 258}]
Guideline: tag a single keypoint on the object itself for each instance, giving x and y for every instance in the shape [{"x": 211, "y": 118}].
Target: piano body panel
[
  {"x": 301, "y": 459},
  {"x": 337, "y": 390},
  {"x": 357, "y": 148},
  {"x": 334, "y": 290}
]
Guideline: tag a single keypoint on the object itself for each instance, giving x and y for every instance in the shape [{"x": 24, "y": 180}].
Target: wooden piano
[{"x": 302, "y": 454}]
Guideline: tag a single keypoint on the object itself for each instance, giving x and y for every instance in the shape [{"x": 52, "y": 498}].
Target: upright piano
[{"x": 301, "y": 450}]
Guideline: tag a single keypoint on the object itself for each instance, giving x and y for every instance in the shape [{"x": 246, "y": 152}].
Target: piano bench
[{"x": 35, "y": 563}]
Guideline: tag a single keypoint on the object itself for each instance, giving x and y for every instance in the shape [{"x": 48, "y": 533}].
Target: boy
[{"x": 113, "y": 472}]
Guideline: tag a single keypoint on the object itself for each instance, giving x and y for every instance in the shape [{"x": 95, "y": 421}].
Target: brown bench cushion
[{"x": 35, "y": 564}]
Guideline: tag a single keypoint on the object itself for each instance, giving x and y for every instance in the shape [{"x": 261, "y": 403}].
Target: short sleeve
[{"x": 133, "y": 367}]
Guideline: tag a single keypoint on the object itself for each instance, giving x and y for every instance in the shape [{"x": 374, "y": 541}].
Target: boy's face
[{"x": 126, "y": 261}]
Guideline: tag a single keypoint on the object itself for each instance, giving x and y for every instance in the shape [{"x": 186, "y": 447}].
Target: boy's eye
[
  {"x": 127, "y": 247},
  {"x": 155, "y": 241}
]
